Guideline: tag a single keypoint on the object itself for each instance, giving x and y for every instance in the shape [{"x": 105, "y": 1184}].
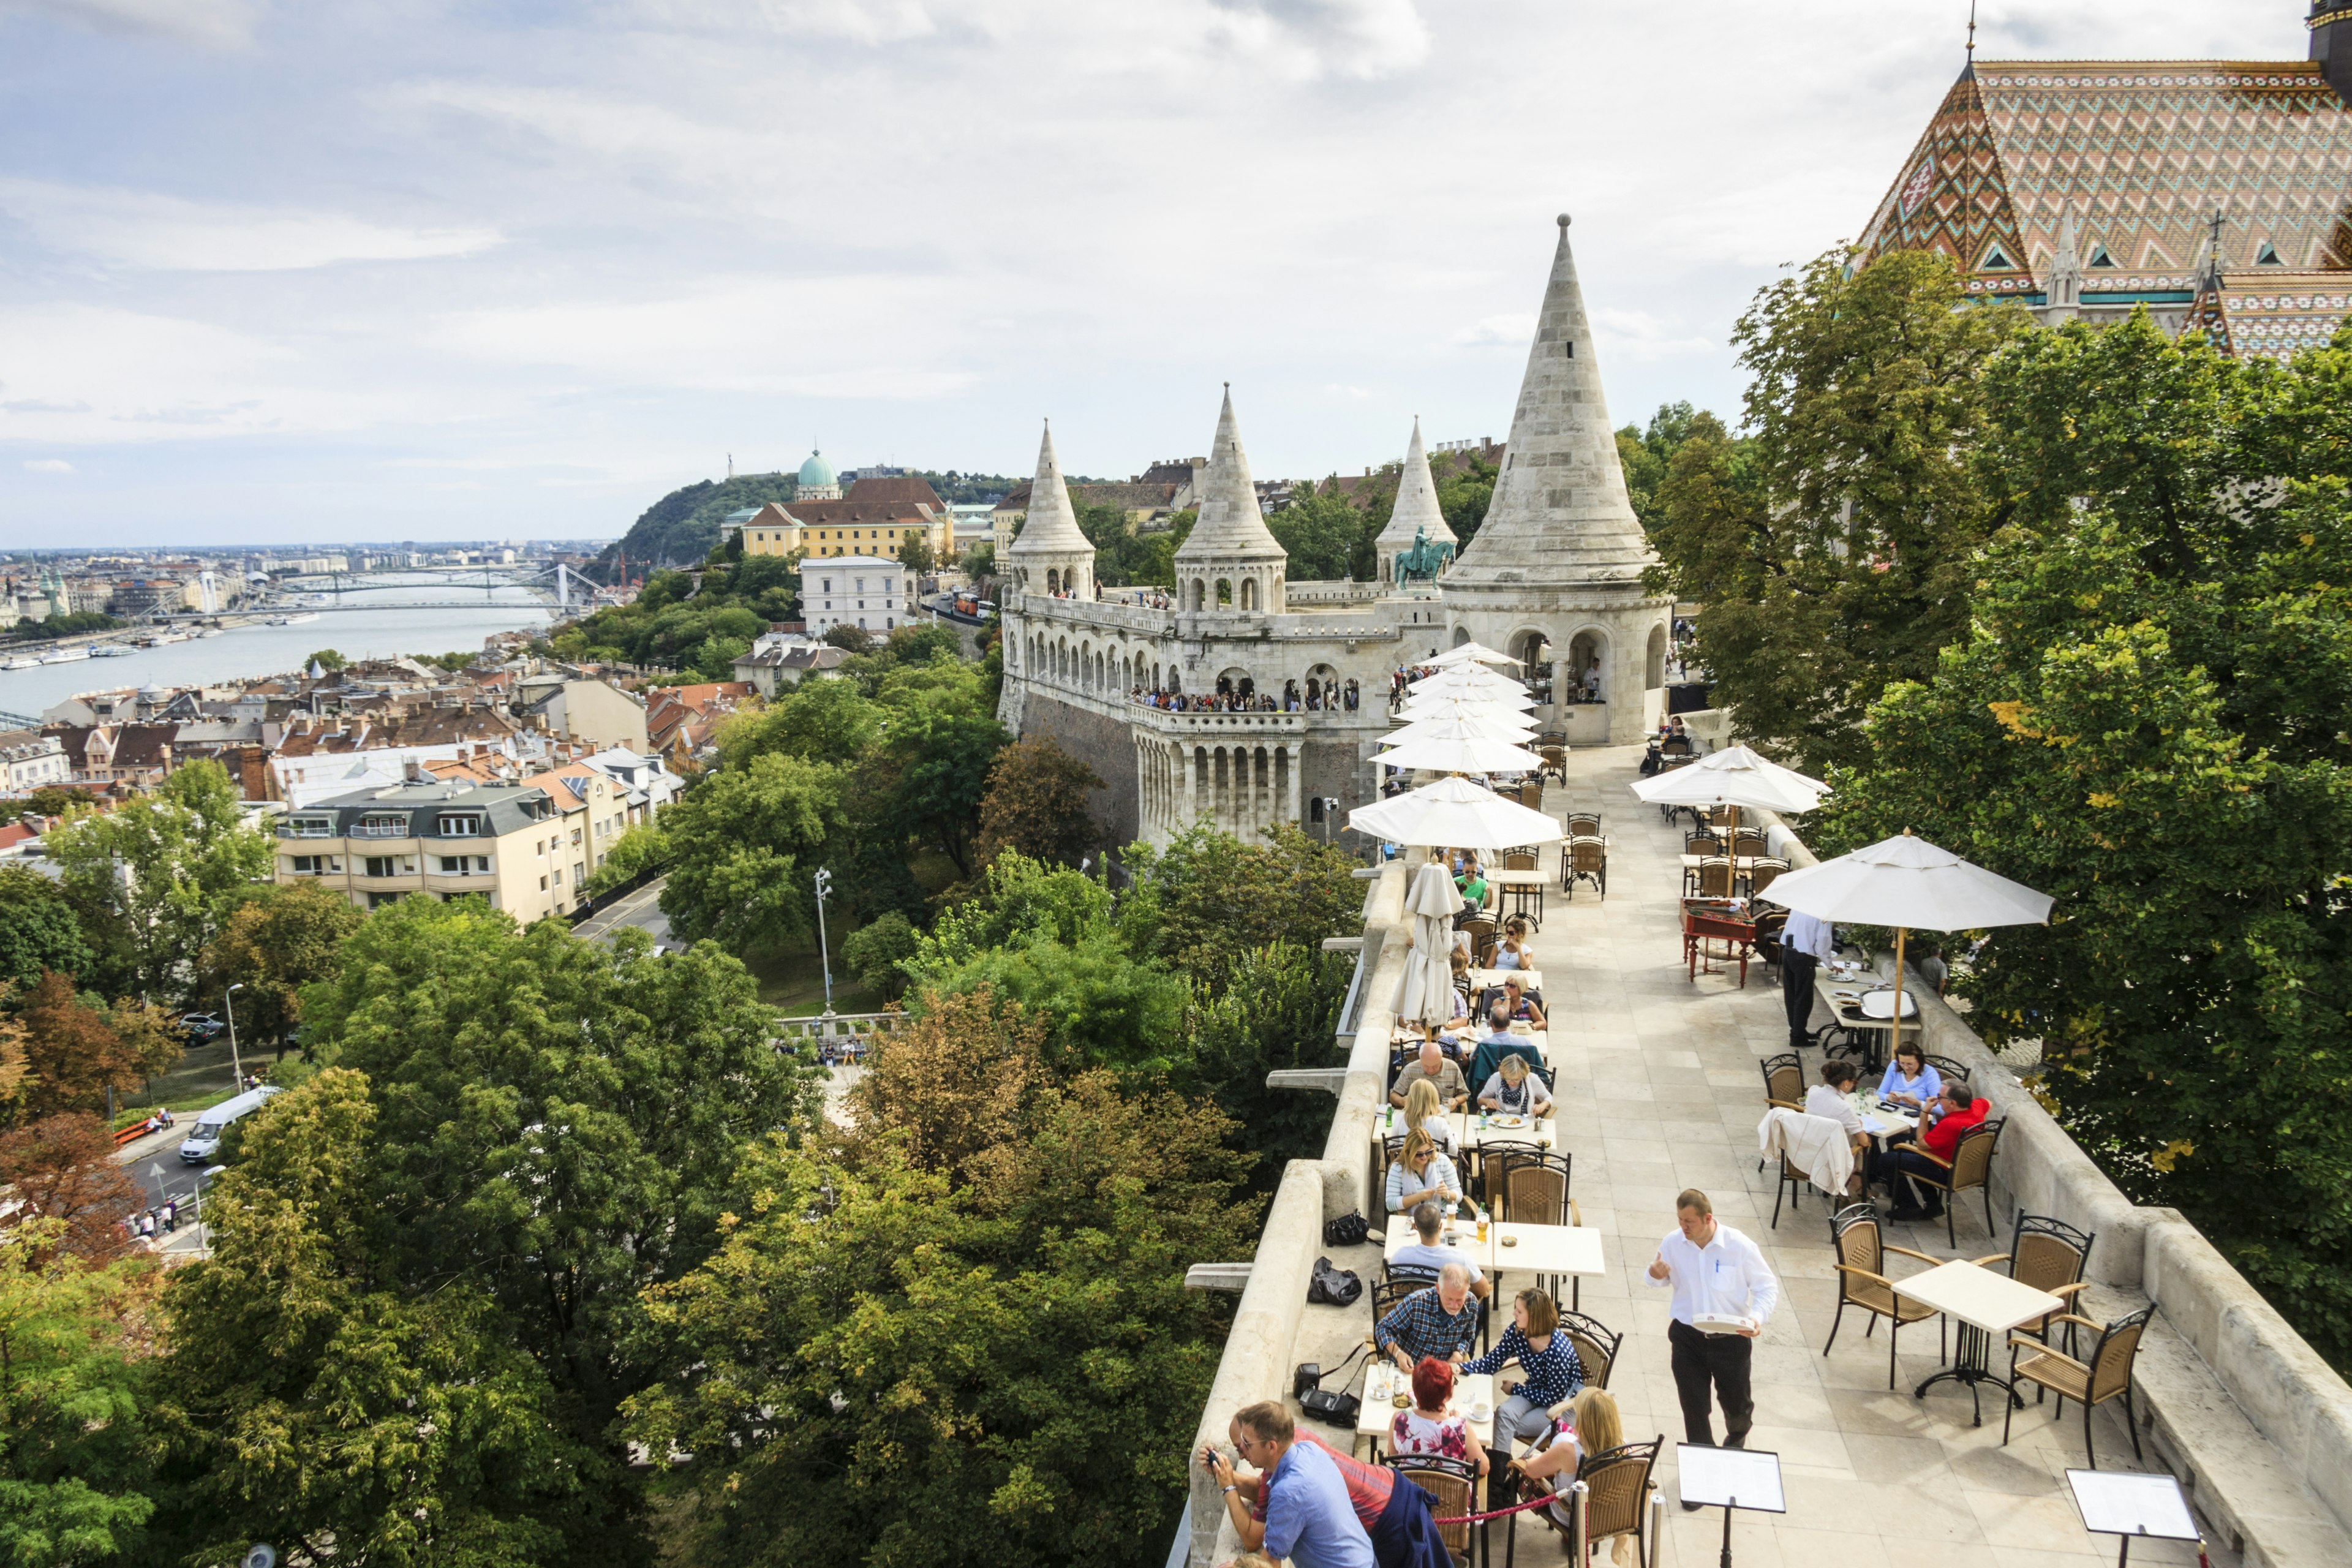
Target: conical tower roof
[
  {"x": 1050, "y": 527},
  {"x": 1560, "y": 514},
  {"x": 1416, "y": 508},
  {"x": 1230, "y": 527}
]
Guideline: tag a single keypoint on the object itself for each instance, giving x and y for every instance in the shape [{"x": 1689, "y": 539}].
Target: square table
[
  {"x": 1851, "y": 1008},
  {"x": 1384, "y": 1379},
  {"x": 1985, "y": 1304},
  {"x": 1481, "y": 979},
  {"x": 1519, "y": 885}
]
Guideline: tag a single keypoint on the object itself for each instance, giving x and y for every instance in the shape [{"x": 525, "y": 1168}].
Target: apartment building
[
  {"x": 592, "y": 810},
  {"x": 506, "y": 842}
]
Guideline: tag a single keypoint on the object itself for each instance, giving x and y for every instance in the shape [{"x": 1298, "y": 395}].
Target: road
[
  {"x": 641, "y": 909},
  {"x": 154, "y": 1162}
]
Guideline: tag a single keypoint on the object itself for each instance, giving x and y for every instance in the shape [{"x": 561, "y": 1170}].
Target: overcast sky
[{"x": 279, "y": 271}]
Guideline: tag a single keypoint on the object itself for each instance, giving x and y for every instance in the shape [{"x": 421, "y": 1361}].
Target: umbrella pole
[{"x": 1896, "y": 1049}]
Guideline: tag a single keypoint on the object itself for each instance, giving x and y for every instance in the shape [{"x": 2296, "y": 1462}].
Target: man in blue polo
[{"x": 1310, "y": 1517}]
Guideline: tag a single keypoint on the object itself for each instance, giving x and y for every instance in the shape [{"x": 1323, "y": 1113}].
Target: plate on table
[{"x": 1507, "y": 1121}]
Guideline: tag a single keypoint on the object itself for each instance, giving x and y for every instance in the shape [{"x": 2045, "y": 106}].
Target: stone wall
[{"x": 1104, "y": 744}]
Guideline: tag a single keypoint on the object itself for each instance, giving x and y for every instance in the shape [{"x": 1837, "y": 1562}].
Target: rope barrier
[{"x": 1501, "y": 1512}]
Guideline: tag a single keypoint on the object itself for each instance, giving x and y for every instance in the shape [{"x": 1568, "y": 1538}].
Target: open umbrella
[
  {"x": 1734, "y": 777},
  {"x": 1437, "y": 704},
  {"x": 1471, "y": 755},
  {"x": 1472, "y": 653},
  {"x": 1461, "y": 727},
  {"x": 1468, "y": 680},
  {"x": 1904, "y": 882},
  {"x": 1458, "y": 813},
  {"x": 1425, "y": 990}
]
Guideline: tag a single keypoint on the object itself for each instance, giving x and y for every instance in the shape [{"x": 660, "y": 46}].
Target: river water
[{"x": 244, "y": 652}]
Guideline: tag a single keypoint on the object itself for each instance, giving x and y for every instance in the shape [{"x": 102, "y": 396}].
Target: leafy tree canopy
[
  {"x": 1036, "y": 803},
  {"x": 39, "y": 929}
]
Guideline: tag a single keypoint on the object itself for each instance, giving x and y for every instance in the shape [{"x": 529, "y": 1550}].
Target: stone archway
[
  {"x": 1249, "y": 594},
  {"x": 1532, "y": 647},
  {"x": 1653, "y": 667},
  {"x": 1587, "y": 648}
]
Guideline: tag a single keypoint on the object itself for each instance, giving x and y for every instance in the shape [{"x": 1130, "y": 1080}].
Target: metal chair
[
  {"x": 1945, "y": 1067},
  {"x": 1861, "y": 1253},
  {"x": 2106, "y": 1376},
  {"x": 1700, "y": 841},
  {"x": 1585, "y": 859},
  {"x": 1762, "y": 874},
  {"x": 2050, "y": 1255},
  {"x": 1385, "y": 1295},
  {"x": 1555, "y": 762},
  {"x": 1970, "y": 1166},
  {"x": 1481, "y": 933},
  {"x": 1519, "y": 860},
  {"x": 1454, "y": 1484},
  {"x": 1749, "y": 842},
  {"x": 1617, "y": 1501},
  {"x": 1596, "y": 1347},
  {"x": 1584, "y": 824},
  {"x": 1784, "y": 1085},
  {"x": 1710, "y": 878}
]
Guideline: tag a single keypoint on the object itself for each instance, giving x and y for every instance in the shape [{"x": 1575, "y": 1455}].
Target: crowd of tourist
[{"x": 1332, "y": 696}]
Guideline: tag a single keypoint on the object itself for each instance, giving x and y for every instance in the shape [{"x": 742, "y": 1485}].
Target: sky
[{"x": 276, "y": 272}]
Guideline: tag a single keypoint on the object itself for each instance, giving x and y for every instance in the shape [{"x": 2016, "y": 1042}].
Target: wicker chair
[
  {"x": 1784, "y": 1086},
  {"x": 1969, "y": 1166},
  {"x": 1586, "y": 860},
  {"x": 1454, "y": 1484},
  {"x": 1711, "y": 879},
  {"x": 2106, "y": 1376},
  {"x": 1519, "y": 860},
  {"x": 1617, "y": 1501},
  {"x": 1555, "y": 762},
  {"x": 1584, "y": 824},
  {"x": 2049, "y": 1254},
  {"x": 1596, "y": 1347},
  {"x": 1860, "y": 1252},
  {"x": 1700, "y": 841},
  {"x": 1533, "y": 1189},
  {"x": 1749, "y": 842},
  {"x": 1762, "y": 874},
  {"x": 1481, "y": 933}
]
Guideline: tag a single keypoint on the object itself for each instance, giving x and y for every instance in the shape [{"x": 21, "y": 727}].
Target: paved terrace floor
[{"x": 1660, "y": 1090}]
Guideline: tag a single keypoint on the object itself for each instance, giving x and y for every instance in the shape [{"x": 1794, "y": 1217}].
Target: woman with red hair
[{"x": 1432, "y": 1426}]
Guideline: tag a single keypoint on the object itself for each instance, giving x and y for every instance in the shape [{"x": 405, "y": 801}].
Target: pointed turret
[
  {"x": 1560, "y": 514},
  {"x": 1230, "y": 560},
  {"x": 1416, "y": 513},
  {"x": 1053, "y": 554}
]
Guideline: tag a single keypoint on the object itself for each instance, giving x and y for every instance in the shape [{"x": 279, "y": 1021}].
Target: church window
[
  {"x": 1996, "y": 260},
  {"x": 2099, "y": 257},
  {"x": 2268, "y": 255}
]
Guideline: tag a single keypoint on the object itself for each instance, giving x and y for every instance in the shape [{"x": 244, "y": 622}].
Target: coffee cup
[{"x": 1481, "y": 1411}]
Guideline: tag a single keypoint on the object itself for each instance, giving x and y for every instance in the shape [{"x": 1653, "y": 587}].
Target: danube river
[{"x": 386, "y": 629}]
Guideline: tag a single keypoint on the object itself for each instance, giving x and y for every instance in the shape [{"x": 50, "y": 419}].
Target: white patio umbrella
[
  {"x": 1461, "y": 727},
  {"x": 1425, "y": 990},
  {"x": 1438, "y": 703},
  {"x": 1734, "y": 777},
  {"x": 1904, "y": 882},
  {"x": 1472, "y": 653},
  {"x": 1464, "y": 757},
  {"x": 1467, "y": 679},
  {"x": 1457, "y": 813}
]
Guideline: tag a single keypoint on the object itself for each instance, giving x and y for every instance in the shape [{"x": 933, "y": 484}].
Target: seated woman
[
  {"x": 1909, "y": 1080},
  {"x": 1550, "y": 1370},
  {"x": 1424, "y": 1110},
  {"x": 1511, "y": 951},
  {"x": 1432, "y": 1426},
  {"x": 1512, "y": 1091},
  {"x": 1829, "y": 1099},
  {"x": 1421, "y": 1172},
  {"x": 1591, "y": 1427},
  {"x": 1522, "y": 1004}
]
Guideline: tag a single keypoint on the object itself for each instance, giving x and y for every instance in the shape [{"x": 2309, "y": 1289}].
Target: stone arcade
[{"x": 1553, "y": 576}]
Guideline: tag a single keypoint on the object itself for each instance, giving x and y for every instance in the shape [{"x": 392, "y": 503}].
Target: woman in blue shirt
[
  {"x": 1909, "y": 1079},
  {"x": 1421, "y": 1172},
  {"x": 1550, "y": 1370}
]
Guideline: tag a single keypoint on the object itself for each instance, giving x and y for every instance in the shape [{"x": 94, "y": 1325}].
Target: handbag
[
  {"x": 1339, "y": 1409},
  {"x": 1348, "y": 1230},
  {"x": 1333, "y": 1285}
]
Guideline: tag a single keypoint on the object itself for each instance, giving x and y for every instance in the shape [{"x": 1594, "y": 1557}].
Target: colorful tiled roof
[{"x": 2144, "y": 153}]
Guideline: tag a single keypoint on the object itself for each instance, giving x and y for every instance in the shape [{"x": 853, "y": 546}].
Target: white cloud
[
  {"x": 47, "y": 466},
  {"x": 1513, "y": 330},
  {"x": 147, "y": 230},
  {"x": 1638, "y": 336},
  {"x": 1366, "y": 39},
  {"x": 219, "y": 23},
  {"x": 852, "y": 21}
]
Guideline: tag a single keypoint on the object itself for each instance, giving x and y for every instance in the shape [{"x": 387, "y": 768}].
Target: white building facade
[{"x": 863, "y": 591}]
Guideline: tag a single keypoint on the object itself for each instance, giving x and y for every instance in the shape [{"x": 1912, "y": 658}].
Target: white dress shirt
[
  {"x": 1822, "y": 1100},
  {"x": 1727, "y": 1277},
  {"x": 1810, "y": 935}
]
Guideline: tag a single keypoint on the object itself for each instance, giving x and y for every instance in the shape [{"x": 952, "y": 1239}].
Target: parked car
[
  {"x": 202, "y": 1027},
  {"x": 204, "y": 1140}
]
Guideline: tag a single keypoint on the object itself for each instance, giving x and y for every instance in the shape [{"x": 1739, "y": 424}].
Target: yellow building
[
  {"x": 877, "y": 517},
  {"x": 510, "y": 844}
]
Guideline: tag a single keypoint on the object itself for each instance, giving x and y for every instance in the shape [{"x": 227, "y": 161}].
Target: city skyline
[{"x": 307, "y": 279}]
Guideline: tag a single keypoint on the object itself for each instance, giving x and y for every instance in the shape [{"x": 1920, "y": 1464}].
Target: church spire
[
  {"x": 1559, "y": 514},
  {"x": 1416, "y": 511},
  {"x": 1230, "y": 527},
  {"x": 1050, "y": 527}
]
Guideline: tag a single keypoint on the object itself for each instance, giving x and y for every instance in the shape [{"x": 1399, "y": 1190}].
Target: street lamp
[
  {"x": 1330, "y": 811},
  {"x": 228, "y": 1006},
  {"x": 825, "y": 954}
]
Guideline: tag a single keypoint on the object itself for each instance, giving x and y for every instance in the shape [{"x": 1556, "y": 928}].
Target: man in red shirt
[{"x": 1949, "y": 1114}]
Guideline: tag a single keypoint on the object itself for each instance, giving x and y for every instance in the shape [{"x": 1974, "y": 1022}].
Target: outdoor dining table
[
  {"x": 1384, "y": 1380},
  {"x": 1529, "y": 979},
  {"x": 1519, "y": 886},
  {"x": 1863, "y": 1011},
  {"x": 1984, "y": 1304},
  {"x": 1515, "y": 1247}
]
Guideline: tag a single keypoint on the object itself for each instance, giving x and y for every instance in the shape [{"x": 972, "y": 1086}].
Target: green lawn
[
  {"x": 794, "y": 984},
  {"x": 203, "y": 1077}
]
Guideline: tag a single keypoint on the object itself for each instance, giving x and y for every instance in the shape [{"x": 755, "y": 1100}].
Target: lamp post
[
  {"x": 228, "y": 1008},
  {"x": 1330, "y": 811},
  {"x": 824, "y": 954}
]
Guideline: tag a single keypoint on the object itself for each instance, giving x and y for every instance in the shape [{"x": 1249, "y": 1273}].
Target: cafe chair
[
  {"x": 1970, "y": 1166},
  {"x": 1596, "y": 1347},
  {"x": 2091, "y": 1383},
  {"x": 1534, "y": 1190},
  {"x": 1617, "y": 1501},
  {"x": 2050, "y": 1255},
  {"x": 1532, "y": 794},
  {"x": 1749, "y": 842},
  {"x": 1768, "y": 926},
  {"x": 1762, "y": 874},
  {"x": 1585, "y": 859},
  {"x": 1719, "y": 816},
  {"x": 1784, "y": 1086},
  {"x": 1947, "y": 1067},
  {"x": 1555, "y": 762},
  {"x": 1387, "y": 1292},
  {"x": 1711, "y": 878},
  {"x": 1454, "y": 1484},
  {"x": 1699, "y": 841},
  {"x": 1584, "y": 824},
  {"x": 1861, "y": 1254}
]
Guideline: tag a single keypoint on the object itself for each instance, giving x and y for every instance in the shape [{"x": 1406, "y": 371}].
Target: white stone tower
[
  {"x": 1052, "y": 554},
  {"x": 1230, "y": 564},
  {"x": 1558, "y": 562},
  {"x": 1416, "y": 512}
]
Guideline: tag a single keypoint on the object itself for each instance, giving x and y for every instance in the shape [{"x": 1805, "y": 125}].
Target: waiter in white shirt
[
  {"x": 1806, "y": 943},
  {"x": 1715, "y": 1273}
]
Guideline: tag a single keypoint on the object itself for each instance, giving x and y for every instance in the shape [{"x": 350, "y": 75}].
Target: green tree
[
  {"x": 979, "y": 560},
  {"x": 1645, "y": 456},
  {"x": 1279, "y": 1009},
  {"x": 1207, "y": 899},
  {"x": 817, "y": 720},
  {"x": 929, "y": 773},
  {"x": 283, "y": 940},
  {"x": 1867, "y": 396},
  {"x": 166, "y": 869},
  {"x": 915, "y": 554},
  {"x": 1321, "y": 533},
  {"x": 1465, "y": 486},
  {"x": 73, "y": 1404},
  {"x": 744, "y": 843},
  {"x": 975, "y": 1355},
  {"x": 38, "y": 929},
  {"x": 875, "y": 950},
  {"x": 1036, "y": 803},
  {"x": 328, "y": 659},
  {"x": 640, "y": 849},
  {"x": 2147, "y": 720},
  {"x": 849, "y": 638}
]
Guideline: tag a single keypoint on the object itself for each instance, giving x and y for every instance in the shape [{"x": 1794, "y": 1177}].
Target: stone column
[
  {"x": 1293, "y": 797},
  {"x": 1562, "y": 682}
]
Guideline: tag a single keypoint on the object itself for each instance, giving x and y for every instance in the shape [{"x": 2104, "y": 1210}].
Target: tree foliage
[
  {"x": 274, "y": 945},
  {"x": 1036, "y": 803},
  {"x": 39, "y": 929},
  {"x": 61, "y": 1168},
  {"x": 72, "y": 1050},
  {"x": 1208, "y": 899}
]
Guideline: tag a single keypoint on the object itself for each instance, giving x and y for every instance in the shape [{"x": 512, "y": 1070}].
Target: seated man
[
  {"x": 1441, "y": 1321},
  {"x": 1431, "y": 1256},
  {"x": 1950, "y": 1114},
  {"x": 1433, "y": 1065}
]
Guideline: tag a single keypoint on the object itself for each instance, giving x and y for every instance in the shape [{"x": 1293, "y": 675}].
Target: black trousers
[
  {"x": 1797, "y": 971},
  {"x": 1712, "y": 1364},
  {"x": 1899, "y": 1165}
]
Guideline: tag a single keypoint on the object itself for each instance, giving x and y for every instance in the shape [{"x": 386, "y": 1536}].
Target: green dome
[{"x": 817, "y": 470}]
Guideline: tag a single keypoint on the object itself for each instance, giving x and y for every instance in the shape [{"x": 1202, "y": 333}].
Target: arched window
[
  {"x": 1224, "y": 592},
  {"x": 1249, "y": 594},
  {"x": 1200, "y": 590},
  {"x": 1053, "y": 581}
]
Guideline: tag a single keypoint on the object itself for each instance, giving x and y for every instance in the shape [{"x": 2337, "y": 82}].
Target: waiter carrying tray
[{"x": 1723, "y": 1294}]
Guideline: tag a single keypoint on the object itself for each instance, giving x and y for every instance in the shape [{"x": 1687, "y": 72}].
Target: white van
[{"x": 204, "y": 1142}]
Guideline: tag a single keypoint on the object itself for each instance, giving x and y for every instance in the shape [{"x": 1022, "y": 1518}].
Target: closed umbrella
[
  {"x": 1425, "y": 990},
  {"x": 1455, "y": 812},
  {"x": 1734, "y": 777},
  {"x": 1904, "y": 882},
  {"x": 1464, "y": 756}
]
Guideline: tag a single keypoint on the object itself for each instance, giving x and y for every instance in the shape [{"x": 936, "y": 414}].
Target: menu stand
[
  {"x": 1729, "y": 1479},
  {"x": 2130, "y": 1504}
]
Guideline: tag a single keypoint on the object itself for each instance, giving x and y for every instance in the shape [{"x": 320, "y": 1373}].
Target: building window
[
  {"x": 380, "y": 827},
  {"x": 461, "y": 826},
  {"x": 378, "y": 901},
  {"x": 311, "y": 827},
  {"x": 543, "y": 884},
  {"x": 579, "y": 873},
  {"x": 575, "y": 835},
  {"x": 314, "y": 865},
  {"x": 861, "y": 585},
  {"x": 389, "y": 866},
  {"x": 828, "y": 585},
  {"x": 465, "y": 864}
]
